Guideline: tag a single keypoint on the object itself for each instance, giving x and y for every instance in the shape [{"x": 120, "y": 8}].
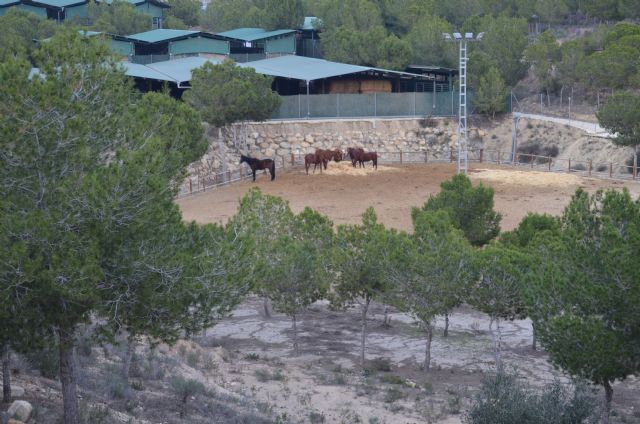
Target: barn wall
[{"x": 199, "y": 45}]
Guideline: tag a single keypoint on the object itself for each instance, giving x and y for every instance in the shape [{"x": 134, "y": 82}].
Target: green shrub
[
  {"x": 46, "y": 360},
  {"x": 380, "y": 364},
  {"x": 266, "y": 375},
  {"x": 505, "y": 400},
  {"x": 393, "y": 395},
  {"x": 185, "y": 388},
  {"x": 392, "y": 379}
]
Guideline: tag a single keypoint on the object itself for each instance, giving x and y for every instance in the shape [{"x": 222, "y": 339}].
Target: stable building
[
  {"x": 165, "y": 44},
  {"x": 247, "y": 44}
]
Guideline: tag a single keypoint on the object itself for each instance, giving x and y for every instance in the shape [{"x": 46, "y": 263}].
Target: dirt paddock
[{"x": 343, "y": 193}]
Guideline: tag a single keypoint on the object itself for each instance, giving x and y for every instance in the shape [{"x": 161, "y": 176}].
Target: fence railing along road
[{"x": 587, "y": 168}]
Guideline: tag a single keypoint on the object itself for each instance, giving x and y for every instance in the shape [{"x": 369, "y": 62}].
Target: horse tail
[{"x": 273, "y": 170}]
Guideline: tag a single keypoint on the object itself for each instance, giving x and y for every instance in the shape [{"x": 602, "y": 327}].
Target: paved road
[{"x": 589, "y": 127}]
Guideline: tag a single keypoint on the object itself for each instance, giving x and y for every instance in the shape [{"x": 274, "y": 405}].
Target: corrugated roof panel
[
  {"x": 137, "y": 2},
  {"x": 59, "y": 3},
  {"x": 252, "y": 34},
  {"x": 158, "y": 35},
  {"x": 180, "y": 69},
  {"x": 142, "y": 71},
  {"x": 4, "y": 3},
  {"x": 303, "y": 68}
]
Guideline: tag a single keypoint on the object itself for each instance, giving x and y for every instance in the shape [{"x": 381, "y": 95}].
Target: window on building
[{"x": 157, "y": 23}]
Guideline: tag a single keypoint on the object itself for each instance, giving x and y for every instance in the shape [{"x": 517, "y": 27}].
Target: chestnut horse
[
  {"x": 312, "y": 158},
  {"x": 327, "y": 155},
  {"x": 360, "y": 156},
  {"x": 353, "y": 153},
  {"x": 258, "y": 164}
]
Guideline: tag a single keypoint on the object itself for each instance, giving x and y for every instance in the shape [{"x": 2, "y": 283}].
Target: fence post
[
  {"x": 499, "y": 156},
  {"x": 450, "y": 155},
  {"x": 610, "y": 169},
  {"x": 283, "y": 162},
  {"x": 569, "y": 165},
  {"x": 293, "y": 159},
  {"x": 229, "y": 177},
  {"x": 481, "y": 155},
  {"x": 517, "y": 159},
  {"x": 590, "y": 166},
  {"x": 190, "y": 186},
  {"x": 400, "y": 157},
  {"x": 549, "y": 163},
  {"x": 204, "y": 185},
  {"x": 426, "y": 156}
]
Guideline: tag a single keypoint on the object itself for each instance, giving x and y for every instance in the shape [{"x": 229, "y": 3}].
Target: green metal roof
[
  {"x": 176, "y": 71},
  {"x": 310, "y": 69},
  {"x": 5, "y": 3},
  {"x": 159, "y": 35},
  {"x": 137, "y": 2},
  {"x": 58, "y": 4},
  {"x": 252, "y": 34}
]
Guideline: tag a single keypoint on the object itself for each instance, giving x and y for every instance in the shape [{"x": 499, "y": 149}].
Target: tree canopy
[{"x": 228, "y": 93}]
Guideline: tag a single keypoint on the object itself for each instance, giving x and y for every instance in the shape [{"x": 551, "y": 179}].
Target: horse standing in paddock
[
  {"x": 327, "y": 155},
  {"x": 312, "y": 159},
  {"x": 258, "y": 164},
  {"x": 368, "y": 156},
  {"x": 353, "y": 153}
]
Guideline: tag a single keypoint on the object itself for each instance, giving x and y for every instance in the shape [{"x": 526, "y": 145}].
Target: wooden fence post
[
  {"x": 569, "y": 165},
  {"x": 590, "y": 166},
  {"x": 450, "y": 155},
  {"x": 426, "y": 156},
  {"x": 400, "y": 157},
  {"x": 499, "y": 156},
  {"x": 517, "y": 159},
  {"x": 293, "y": 159},
  {"x": 283, "y": 162},
  {"x": 229, "y": 176},
  {"x": 610, "y": 169},
  {"x": 190, "y": 186},
  {"x": 481, "y": 155},
  {"x": 549, "y": 163}
]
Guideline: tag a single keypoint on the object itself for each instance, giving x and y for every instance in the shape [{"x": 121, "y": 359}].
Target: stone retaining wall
[{"x": 282, "y": 138}]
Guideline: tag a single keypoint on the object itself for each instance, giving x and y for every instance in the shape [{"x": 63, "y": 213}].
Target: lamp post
[{"x": 463, "y": 136}]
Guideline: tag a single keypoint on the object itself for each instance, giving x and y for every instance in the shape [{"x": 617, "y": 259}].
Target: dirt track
[{"x": 343, "y": 194}]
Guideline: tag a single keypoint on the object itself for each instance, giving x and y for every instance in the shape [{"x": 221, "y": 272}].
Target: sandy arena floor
[{"x": 343, "y": 193}]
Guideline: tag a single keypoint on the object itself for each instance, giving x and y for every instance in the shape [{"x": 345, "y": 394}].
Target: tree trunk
[
  {"x": 126, "y": 365},
  {"x": 6, "y": 374},
  {"x": 534, "y": 341},
  {"x": 446, "y": 325},
  {"x": 495, "y": 335},
  {"x": 365, "y": 307},
  {"x": 608, "y": 396},
  {"x": 635, "y": 161},
  {"x": 265, "y": 306},
  {"x": 295, "y": 336},
  {"x": 68, "y": 377},
  {"x": 386, "y": 319},
  {"x": 427, "y": 353}
]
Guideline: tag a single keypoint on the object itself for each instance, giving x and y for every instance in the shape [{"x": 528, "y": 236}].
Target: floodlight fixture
[
  {"x": 446, "y": 36},
  {"x": 457, "y": 36},
  {"x": 468, "y": 35}
]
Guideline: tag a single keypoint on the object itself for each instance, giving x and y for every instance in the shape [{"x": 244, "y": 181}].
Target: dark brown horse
[
  {"x": 360, "y": 156},
  {"x": 312, "y": 159},
  {"x": 327, "y": 155},
  {"x": 353, "y": 153},
  {"x": 258, "y": 164}
]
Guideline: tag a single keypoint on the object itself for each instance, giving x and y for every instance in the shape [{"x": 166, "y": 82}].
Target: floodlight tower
[{"x": 463, "y": 136}]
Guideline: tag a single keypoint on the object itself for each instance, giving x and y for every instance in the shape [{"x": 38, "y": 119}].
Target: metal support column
[{"x": 463, "y": 147}]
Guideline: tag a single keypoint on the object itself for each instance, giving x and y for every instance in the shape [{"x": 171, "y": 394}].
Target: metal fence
[
  {"x": 370, "y": 105},
  {"x": 586, "y": 168}
]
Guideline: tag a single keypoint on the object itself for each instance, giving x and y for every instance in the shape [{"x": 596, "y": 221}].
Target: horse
[
  {"x": 353, "y": 153},
  {"x": 258, "y": 164},
  {"x": 361, "y": 156},
  {"x": 327, "y": 155},
  {"x": 312, "y": 158}
]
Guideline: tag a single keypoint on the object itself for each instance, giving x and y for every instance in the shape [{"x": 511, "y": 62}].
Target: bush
[
  {"x": 46, "y": 360},
  {"x": 504, "y": 400},
  {"x": 185, "y": 388},
  {"x": 602, "y": 168},
  {"x": 380, "y": 364},
  {"x": 579, "y": 167},
  {"x": 265, "y": 375}
]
